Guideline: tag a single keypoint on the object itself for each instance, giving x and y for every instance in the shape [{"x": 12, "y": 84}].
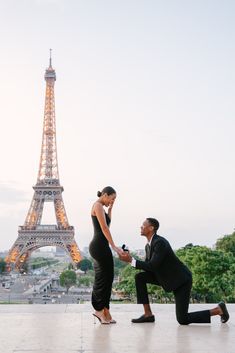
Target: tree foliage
[
  {"x": 2, "y": 265},
  {"x": 85, "y": 265},
  {"x": 118, "y": 265},
  {"x": 226, "y": 243},
  {"x": 213, "y": 273},
  {"x": 68, "y": 279},
  {"x": 86, "y": 280},
  {"x": 39, "y": 262},
  {"x": 127, "y": 281}
]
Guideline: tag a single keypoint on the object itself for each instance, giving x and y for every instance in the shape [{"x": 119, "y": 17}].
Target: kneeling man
[{"x": 163, "y": 268}]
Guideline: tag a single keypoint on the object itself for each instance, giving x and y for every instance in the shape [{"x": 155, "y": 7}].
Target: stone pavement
[{"x": 60, "y": 328}]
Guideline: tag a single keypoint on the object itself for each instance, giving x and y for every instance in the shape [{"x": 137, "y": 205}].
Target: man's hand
[{"x": 126, "y": 257}]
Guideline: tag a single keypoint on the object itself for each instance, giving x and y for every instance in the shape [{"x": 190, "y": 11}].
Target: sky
[{"x": 144, "y": 102}]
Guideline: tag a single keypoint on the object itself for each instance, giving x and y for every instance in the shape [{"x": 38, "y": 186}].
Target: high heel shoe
[
  {"x": 108, "y": 316},
  {"x": 101, "y": 320},
  {"x": 112, "y": 321}
]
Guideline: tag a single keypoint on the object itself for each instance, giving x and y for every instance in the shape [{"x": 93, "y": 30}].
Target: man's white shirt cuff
[{"x": 133, "y": 262}]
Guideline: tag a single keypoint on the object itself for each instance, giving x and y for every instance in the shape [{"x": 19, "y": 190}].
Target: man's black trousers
[{"x": 182, "y": 297}]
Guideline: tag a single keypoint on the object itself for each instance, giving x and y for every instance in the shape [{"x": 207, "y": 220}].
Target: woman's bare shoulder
[{"x": 97, "y": 207}]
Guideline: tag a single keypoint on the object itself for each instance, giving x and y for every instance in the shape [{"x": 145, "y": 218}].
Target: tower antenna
[{"x": 50, "y": 58}]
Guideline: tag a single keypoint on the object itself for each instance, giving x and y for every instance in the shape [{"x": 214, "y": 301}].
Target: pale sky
[{"x": 144, "y": 102}]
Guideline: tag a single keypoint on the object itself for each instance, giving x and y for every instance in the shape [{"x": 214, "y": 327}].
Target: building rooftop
[{"x": 60, "y": 328}]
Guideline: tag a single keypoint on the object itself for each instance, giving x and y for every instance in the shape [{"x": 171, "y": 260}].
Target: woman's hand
[
  {"x": 126, "y": 257},
  {"x": 110, "y": 209},
  {"x": 118, "y": 250},
  {"x": 111, "y": 205}
]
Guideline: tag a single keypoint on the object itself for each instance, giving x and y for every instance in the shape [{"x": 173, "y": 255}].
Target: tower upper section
[
  {"x": 50, "y": 72},
  {"x": 48, "y": 173}
]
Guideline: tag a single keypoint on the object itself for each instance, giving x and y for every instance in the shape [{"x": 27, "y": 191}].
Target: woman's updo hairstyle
[{"x": 107, "y": 190}]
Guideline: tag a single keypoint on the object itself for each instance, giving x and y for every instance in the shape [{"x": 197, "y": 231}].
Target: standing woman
[{"x": 101, "y": 253}]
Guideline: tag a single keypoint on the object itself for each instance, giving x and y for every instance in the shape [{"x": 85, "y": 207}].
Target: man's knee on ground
[{"x": 182, "y": 319}]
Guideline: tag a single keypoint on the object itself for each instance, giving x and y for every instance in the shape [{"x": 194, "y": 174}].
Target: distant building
[
  {"x": 43, "y": 253},
  {"x": 3, "y": 254},
  {"x": 59, "y": 251},
  {"x": 140, "y": 253}
]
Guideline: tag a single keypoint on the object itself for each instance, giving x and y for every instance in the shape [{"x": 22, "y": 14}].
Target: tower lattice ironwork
[{"x": 33, "y": 235}]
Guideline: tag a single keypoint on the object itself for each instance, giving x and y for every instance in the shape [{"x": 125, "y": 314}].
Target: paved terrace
[{"x": 60, "y": 328}]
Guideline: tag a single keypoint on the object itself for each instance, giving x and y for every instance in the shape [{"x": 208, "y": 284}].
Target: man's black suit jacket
[{"x": 166, "y": 267}]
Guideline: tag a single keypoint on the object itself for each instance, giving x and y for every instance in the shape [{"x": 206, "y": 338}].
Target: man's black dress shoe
[
  {"x": 225, "y": 316},
  {"x": 143, "y": 318}
]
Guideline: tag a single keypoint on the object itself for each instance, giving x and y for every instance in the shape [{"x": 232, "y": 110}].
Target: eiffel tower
[{"x": 33, "y": 235}]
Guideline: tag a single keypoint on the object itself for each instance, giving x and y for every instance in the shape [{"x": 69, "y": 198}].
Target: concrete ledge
[{"x": 52, "y": 328}]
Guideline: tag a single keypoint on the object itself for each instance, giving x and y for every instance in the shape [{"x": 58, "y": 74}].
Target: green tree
[
  {"x": 86, "y": 280},
  {"x": 85, "y": 265},
  {"x": 70, "y": 266},
  {"x": 118, "y": 265},
  {"x": 213, "y": 273},
  {"x": 2, "y": 265},
  {"x": 226, "y": 243},
  {"x": 159, "y": 295},
  {"x": 39, "y": 262},
  {"x": 126, "y": 283},
  {"x": 68, "y": 278}
]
